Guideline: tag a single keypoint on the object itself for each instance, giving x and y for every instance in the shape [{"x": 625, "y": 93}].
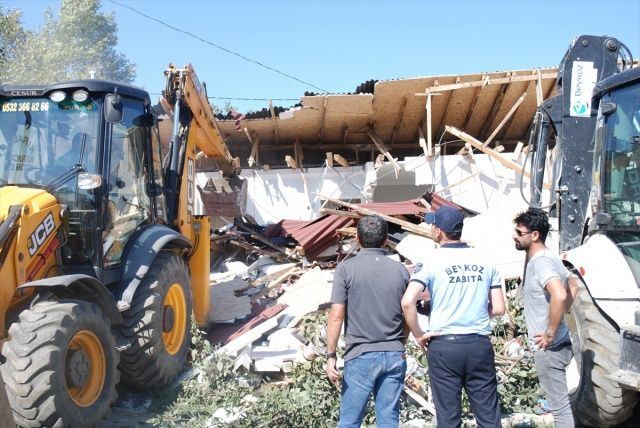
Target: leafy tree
[
  {"x": 79, "y": 42},
  {"x": 11, "y": 35}
]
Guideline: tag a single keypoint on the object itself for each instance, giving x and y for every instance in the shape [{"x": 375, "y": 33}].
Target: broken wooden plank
[
  {"x": 478, "y": 145},
  {"x": 492, "y": 153},
  {"x": 347, "y": 231},
  {"x": 342, "y": 161},
  {"x": 429, "y": 130},
  {"x": 516, "y": 151},
  {"x": 422, "y": 141},
  {"x": 457, "y": 183},
  {"x": 404, "y": 224},
  {"x": 253, "y": 157},
  {"x": 276, "y": 282},
  {"x": 287, "y": 269},
  {"x": 420, "y": 400},
  {"x": 329, "y": 159},
  {"x": 341, "y": 213},
  {"x": 379, "y": 143},
  {"x": 291, "y": 162}
]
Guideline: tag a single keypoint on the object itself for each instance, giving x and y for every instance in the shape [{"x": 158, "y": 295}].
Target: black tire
[
  {"x": 47, "y": 343},
  {"x": 597, "y": 401},
  {"x": 162, "y": 302}
]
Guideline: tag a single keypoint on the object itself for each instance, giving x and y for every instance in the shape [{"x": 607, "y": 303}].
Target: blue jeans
[{"x": 381, "y": 373}]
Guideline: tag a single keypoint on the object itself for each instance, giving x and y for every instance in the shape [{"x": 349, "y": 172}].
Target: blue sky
[{"x": 337, "y": 45}]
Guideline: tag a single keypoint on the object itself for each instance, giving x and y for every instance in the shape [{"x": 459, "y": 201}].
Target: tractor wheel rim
[
  {"x": 93, "y": 376},
  {"x": 174, "y": 304}
]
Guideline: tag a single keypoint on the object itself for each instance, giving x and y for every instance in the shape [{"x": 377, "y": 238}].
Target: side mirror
[
  {"x": 608, "y": 108},
  {"x": 113, "y": 108},
  {"x": 599, "y": 221}
]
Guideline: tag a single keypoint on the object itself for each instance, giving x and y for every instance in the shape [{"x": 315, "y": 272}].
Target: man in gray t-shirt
[
  {"x": 546, "y": 299},
  {"x": 366, "y": 295}
]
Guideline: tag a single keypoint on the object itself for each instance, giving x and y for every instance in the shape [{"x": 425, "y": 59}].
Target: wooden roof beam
[
  {"x": 505, "y": 119},
  {"x": 494, "y": 110},
  {"x": 254, "y": 156},
  {"x": 323, "y": 114},
  {"x": 297, "y": 150},
  {"x": 487, "y": 81},
  {"x": 274, "y": 122},
  {"x": 507, "y": 129},
  {"x": 492, "y": 153},
  {"x": 476, "y": 97},
  {"x": 331, "y": 147},
  {"x": 418, "y": 230},
  {"x": 399, "y": 121},
  {"x": 379, "y": 143},
  {"x": 445, "y": 114}
]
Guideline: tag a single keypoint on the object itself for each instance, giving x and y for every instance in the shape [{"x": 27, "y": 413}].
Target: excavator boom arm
[{"x": 208, "y": 138}]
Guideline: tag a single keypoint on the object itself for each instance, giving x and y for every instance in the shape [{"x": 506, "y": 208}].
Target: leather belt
[{"x": 457, "y": 337}]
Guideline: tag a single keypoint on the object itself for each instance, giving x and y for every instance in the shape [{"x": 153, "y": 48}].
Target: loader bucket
[{"x": 224, "y": 197}]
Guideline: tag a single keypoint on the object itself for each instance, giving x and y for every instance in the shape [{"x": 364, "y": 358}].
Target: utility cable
[{"x": 215, "y": 45}]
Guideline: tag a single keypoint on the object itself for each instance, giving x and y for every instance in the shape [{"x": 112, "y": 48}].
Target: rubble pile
[{"x": 271, "y": 292}]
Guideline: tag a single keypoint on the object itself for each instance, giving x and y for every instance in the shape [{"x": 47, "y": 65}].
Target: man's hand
[
  {"x": 330, "y": 369},
  {"x": 543, "y": 340},
  {"x": 424, "y": 339}
]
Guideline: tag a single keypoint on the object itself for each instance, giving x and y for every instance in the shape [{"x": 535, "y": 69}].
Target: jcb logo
[
  {"x": 42, "y": 232},
  {"x": 190, "y": 187}
]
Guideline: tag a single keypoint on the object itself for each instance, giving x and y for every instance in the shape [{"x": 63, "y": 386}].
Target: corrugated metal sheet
[{"x": 318, "y": 235}]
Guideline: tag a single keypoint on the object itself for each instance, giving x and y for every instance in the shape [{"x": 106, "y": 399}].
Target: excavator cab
[
  {"x": 104, "y": 171},
  {"x": 617, "y": 159},
  {"x": 616, "y": 203}
]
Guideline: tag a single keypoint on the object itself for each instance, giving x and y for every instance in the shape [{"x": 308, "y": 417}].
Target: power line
[
  {"x": 254, "y": 99},
  {"x": 215, "y": 45},
  {"x": 241, "y": 98}
]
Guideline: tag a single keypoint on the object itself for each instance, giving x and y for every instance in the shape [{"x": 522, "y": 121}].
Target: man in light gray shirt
[{"x": 545, "y": 302}]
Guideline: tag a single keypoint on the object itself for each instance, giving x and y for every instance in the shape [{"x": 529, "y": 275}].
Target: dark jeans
[{"x": 463, "y": 361}]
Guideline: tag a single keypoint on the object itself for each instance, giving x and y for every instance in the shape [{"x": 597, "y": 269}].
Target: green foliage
[
  {"x": 306, "y": 397},
  {"x": 11, "y": 35},
  {"x": 77, "y": 43},
  {"x": 518, "y": 385}
]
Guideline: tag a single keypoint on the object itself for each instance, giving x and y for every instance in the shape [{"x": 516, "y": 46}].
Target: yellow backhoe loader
[{"x": 102, "y": 254}]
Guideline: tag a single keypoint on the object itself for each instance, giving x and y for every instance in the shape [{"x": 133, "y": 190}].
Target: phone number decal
[{"x": 25, "y": 106}]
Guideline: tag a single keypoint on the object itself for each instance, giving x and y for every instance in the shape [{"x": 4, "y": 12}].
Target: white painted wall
[{"x": 494, "y": 192}]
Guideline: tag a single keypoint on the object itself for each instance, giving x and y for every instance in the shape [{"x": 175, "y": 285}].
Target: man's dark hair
[
  {"x": 372, "y": 231},
  {"x": 453, "y": 236},
  {"x": 534, "y": 219}
]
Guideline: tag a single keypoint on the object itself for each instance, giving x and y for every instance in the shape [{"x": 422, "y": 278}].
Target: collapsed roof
[{"x": 401, "y": 117}]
